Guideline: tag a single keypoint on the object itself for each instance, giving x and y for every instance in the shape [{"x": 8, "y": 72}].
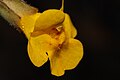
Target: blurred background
[{"x": 97, "y": 23}]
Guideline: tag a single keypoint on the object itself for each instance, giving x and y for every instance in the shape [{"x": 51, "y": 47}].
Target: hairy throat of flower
[
  {"x": 56, "y": 33},
  {"x": 59, "y": 35}
]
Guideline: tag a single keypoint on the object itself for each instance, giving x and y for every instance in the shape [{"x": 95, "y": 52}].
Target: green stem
[
  {"x": 9, "y": 15},
  {"x": 13, "y": 10}
]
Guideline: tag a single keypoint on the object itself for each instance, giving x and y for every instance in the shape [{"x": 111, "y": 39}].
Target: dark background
[{"x": 97, "y": 22}]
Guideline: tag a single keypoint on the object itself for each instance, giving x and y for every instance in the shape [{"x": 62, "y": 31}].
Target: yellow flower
[{"x": 51, "y": 36}]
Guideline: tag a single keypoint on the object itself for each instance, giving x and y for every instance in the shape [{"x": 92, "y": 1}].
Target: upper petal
[
  {"x": 37, "y": 48},
  {"x": 28, "y": 24},
  {"x": 69, "y": 28},
  {"x": 49, "y": 19}
]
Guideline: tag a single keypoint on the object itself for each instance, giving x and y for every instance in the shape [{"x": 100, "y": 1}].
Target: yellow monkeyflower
[{"x": 51, "y": 36}]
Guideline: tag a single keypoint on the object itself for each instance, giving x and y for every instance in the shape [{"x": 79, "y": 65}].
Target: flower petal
[
  {"x": 49, "y": 19},
  {"x": 37, "y": 48},
  {"x": 69, "y": 28},
  {"x": 55, "y": 63},
  {"x": 61, "y": 38},
  {"x": 65, "y": 58},
  {"x": 71, "y": 54},
  {"x": 28, "y": 23}
]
